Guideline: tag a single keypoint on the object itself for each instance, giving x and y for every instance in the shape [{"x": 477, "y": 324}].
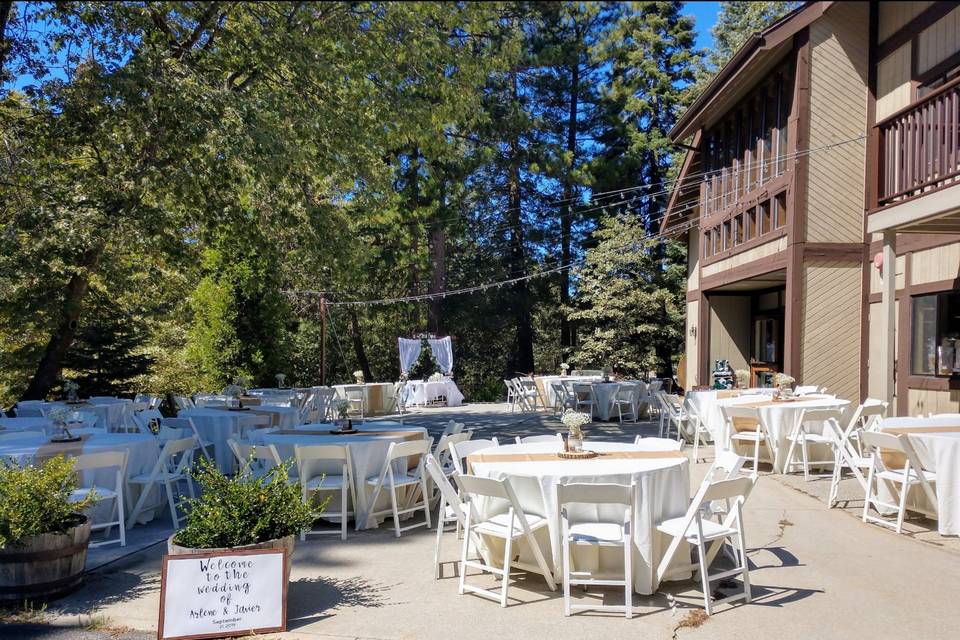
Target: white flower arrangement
[
  {"x": 783, "y": 379},
  {"x": 281, "y": 378},
  {"x": 358, "y": 376},
  {"x": 70, "y": 386},
  {"x": 574, "y": 421},
  {"x": 233, "y": 391},
  {"x": 743, "y": 377},
  {"x": 437, "y": 377},
  {"x": 58, "y": 415},
  {"x": 564, "y": 366}
]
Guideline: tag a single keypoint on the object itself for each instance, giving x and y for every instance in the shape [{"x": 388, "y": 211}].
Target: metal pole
[{"x": 323, "y": 341}]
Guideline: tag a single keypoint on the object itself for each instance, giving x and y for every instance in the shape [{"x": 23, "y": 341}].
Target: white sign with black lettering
[{"x": 215, "y": 595}]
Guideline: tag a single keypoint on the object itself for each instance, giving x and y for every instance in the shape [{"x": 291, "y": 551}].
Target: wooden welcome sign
[{"x": 222, "y": 594}]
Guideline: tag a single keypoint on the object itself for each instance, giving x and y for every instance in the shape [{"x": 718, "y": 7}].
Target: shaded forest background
[{"x": 176, "y": 178}]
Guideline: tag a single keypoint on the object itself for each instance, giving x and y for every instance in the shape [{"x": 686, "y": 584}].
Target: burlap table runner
[
  {"x": 406, "y": 435},
  {"x": 746, "y": 424},
  {"x": 725, "y": 394},
  {"x": 895, "y": 459},
  {"x": 54, "y": 449},
  {"x": 375, "y": 398},
  {"x": 553, "y": 457}
]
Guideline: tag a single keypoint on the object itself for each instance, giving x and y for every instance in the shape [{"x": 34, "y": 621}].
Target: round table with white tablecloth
[
  {"x": 545, "y": 386},
  {"x": 534, "y": 471},
  {"x": 110, "y": 415},
  {"x": 10, "y": 425},
  {"x": 368, "y": 450},
  {"x": 937, "y": 443},
  {"x": 706, "y": 407},
  {"x": 219, "y": 425},
  {"x": 779, "y": 419},
  {"x": 143, "y": 450}
]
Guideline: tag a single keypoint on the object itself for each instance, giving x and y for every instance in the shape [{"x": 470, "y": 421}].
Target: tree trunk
[
  {"x": 5, "y": 7},
  {"x": 48, "y": 370},
  {"x": 567, "y": 338},
  {"x": 358, "y": 349},
  {"x": 438, "y": 259},
  {"x": 523, "y": 352}
]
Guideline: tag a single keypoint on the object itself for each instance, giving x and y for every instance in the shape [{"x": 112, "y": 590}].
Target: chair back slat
[{"x": 595, "y": 493}]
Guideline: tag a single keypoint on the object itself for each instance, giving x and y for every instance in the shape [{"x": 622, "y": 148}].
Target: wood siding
[
  {"x": 875, "y": 337},
  {"x": 922, "y": 401},
  {"x": 934, "y": 265},
  {"x": 740, "y": 259},
  {"x": 730, "y": 330},
  {"x": 893, "y": 82},
  {"x": 939, "y": 41},
  {"x": 830, "y": 321},
  {"x": 895, "y": 15},
  {"x": 693, "y": 345},
  {"x": 838, "y": 110},
  {"x": 875, "y": 281}
]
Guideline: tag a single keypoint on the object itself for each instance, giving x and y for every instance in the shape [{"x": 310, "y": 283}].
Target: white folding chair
[
  {"x": 866, "y": 418},
  {"x": 400, "y": 396},
  {"x": 803, "y": 437},
  {"x": 460, "y": 450},
  {"x": 442, "y": 450},
  {"x": 699, "y": 427},
  {"x": 893, "y": 460},
  {"x": 512, "y": 395},
  {"x": 183, "y": 402},
  {"x": 314, "y": 481},
  {"x": 148, "y": 420},
  {"x": 324, "y": 400},
  {"x": 672, "y": 412},
  {"x": 451, "y": 509},
  {"x": 412, "y": 481},
  {"x": 83, "y": 420},
  {"x": 562, "y": 399},
  {"x": 97, "y": 462},
  {"x": 807, "y": 389},
  {"x": 597, "y": 534},
  {"x": 623, "y": 397},
  {"x": 260, "y": 457},
  {"x": 556, "y": 438},
  {"x": 657, "y": 444},
  {"x": 204, "y": 446},
  {"x": 356, "y": 397},
  {"x": 171, "y": 468},
  {"x": 745, "y": 425},
  {"x": 586, "y": 396},
  {"x": 528, "y": 394},
  {"x": 509, "y": 527},
  {"x": 697, "y": 530}
]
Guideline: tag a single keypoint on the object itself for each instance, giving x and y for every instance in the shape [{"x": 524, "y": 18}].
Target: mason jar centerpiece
[
  {"x": 784, "y": 384},
  {"x": 742, "y": 378},
  {"x": 71, "y": 390},
  {"x": 233, "y": 393},
  {"x": 281, "y": 380},
  {"x": 564, "y": 368},
  {"x": 574, "y": 421}
]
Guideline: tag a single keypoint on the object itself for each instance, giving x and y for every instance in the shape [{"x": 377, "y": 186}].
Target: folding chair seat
[
  {"x": 597, "y": 534},
  {"x": 510, "y": 527}
]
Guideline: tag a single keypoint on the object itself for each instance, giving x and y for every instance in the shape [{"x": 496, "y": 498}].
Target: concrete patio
[{"x": 816, "y": 573}]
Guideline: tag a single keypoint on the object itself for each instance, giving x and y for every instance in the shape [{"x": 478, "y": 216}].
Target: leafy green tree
[{"x": 736, "y": 22}]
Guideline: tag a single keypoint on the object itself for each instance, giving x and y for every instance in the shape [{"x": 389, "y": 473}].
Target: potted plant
[
  {"x": 43, "y": 533},
  {"x": 245, "y": 511}
]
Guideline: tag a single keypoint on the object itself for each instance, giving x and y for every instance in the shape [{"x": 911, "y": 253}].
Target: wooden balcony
[{"x": 918, "y": 147}]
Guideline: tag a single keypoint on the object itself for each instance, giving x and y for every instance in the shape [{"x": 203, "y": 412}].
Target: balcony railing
[{"x": 919, "y": 146}]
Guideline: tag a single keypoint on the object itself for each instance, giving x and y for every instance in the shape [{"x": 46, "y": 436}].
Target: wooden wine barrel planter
[
  {"x": 287, "y": 543},
  {"x": 45, "y": 566}
]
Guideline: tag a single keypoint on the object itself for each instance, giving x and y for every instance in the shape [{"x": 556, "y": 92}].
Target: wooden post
[
  {"x": 888, "y": 347},
  {"x": 323, "y": 341}
]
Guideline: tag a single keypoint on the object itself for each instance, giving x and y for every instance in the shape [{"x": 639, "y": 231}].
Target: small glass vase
[{"x": 575, "y": 443}]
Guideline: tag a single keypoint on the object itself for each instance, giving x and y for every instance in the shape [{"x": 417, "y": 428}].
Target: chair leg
[
  {"x": 463, "y": 553},
  {"x": 173, "y": 507},
  {"x": 119, "y": 503},
  {"x": 426, "y": 505},
  {"x": 904, "y": 489},
  {"x": 507, "y": 547},
  {"x": 704, "y": 577},
  {"x": 742, "y": 544},
  {"x": 806, "y": 458},
  {"x": 436, "y": 548},
  {"x": 144, "y": 494},
  {"x": 343, "y": 507},
  {"x": 756, "y": 457},
  {"x": 628, "y": 576},
  {"x": 868, "y": 497},
  {"x": 393, "y": 507},
  {"x": 566, "y": 575}
]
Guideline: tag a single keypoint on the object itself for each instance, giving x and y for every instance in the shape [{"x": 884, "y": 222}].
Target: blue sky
[{"x": 706, "y": 15}]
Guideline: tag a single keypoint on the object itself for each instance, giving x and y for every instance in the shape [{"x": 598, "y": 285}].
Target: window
[
  {"x": 765, "y": 221},
  {"x": 738, "y": 230},
  {"x": 780, "y": 210},
  {"x": 936, "y": 334},
  {"x": 933, "y": 84},
  {"x": 726, "y": 235},
  {"x": 750, "y": 224}
]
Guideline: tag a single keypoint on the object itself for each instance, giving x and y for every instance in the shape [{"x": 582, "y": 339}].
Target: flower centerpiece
[
  {"x": 233, "y": 393},
  {"x": 606, "y": 371},
  {"x": 564, "y": 368},
  {"x": 245, "y": 511},
  {"x": 436, "y": 377},
  {"x": 574, "y": 421},
  {"x": 281, "y": 380},
  {"x": 742, "y": 377},
  {"x": 41, "y": 517},
  {"x": 784, "y": 382},
  {"x": 58, "y": 417},
  {"x": 358, "y": 376},
  {"x": 343, "y": 408},
  {"x": 70, "y": 388}
]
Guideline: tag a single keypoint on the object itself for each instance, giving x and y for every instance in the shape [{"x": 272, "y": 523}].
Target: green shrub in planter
[
  {"x": 244, "y": 509},
  {"x": 36, "y": 500}
]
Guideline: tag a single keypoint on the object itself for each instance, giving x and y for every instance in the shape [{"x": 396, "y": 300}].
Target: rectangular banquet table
[
  {"x": 663, "y": 491},
  {"x": 368, "y": 451}
]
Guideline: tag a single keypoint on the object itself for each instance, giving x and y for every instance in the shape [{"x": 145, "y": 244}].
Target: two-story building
[{"x": 818, "y": 203}]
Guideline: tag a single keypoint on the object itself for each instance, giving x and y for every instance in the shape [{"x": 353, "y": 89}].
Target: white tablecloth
[
  {"x": 938, "y": 452},
  {"x": 604, "y": 392},
  {"x": 367, "y": 454},
  {"x": 780, "y": 420},
  {"x": 218, "y": 426},
  {"x": 422, "y": 392},
  {"x": 545, "y": 386},
  {"x": 663, "y": 488},
  {"x": 8, "y": 425},
  {"x": 110, "y": 415},
  {"x": 705, "y": 405},
  {"x": 143, "y": 450}
]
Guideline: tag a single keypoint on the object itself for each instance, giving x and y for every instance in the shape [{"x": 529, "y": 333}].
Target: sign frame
[{"x": 219, "y": 554}]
